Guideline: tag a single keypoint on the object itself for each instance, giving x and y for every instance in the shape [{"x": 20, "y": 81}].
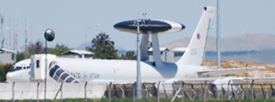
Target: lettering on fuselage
[{"x": 85, "y": 75}]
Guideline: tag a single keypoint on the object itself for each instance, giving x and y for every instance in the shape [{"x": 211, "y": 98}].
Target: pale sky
[{"x": 69, "y": 18}]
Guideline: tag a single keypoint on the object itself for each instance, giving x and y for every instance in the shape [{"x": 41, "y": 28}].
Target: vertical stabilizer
[{"x": 195, "y": 52}]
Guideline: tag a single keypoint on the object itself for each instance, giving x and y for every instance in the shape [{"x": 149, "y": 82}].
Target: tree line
[{"x": 102, "y": 46}]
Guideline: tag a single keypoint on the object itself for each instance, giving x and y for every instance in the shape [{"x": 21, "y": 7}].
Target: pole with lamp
[{"x": 49, "y": 36}]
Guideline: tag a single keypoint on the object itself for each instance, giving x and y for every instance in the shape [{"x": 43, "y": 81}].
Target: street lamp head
[{"x": 49, "y": 35}]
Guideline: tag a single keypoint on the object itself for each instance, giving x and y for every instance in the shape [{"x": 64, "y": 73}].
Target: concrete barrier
[{"x": 20, "y": 91}]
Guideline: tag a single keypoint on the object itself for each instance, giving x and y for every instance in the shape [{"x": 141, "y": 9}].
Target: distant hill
[
  {"x": 258, "y": 48},
  {"x": 265, "y": 56},
  {"x": 241, "y": 42},
  {"x": 269, "y": 72}
]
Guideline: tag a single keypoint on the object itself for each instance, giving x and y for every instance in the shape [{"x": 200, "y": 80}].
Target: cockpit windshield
[{"x": 15, "y": 68}]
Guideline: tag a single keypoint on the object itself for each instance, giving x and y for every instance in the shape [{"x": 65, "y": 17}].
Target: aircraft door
[{"x": 38, "y": 66}]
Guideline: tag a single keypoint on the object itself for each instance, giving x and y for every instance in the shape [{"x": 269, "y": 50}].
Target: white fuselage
[
  {"x": 116, "y": 71},
  {"x": 86, "y": 70}
]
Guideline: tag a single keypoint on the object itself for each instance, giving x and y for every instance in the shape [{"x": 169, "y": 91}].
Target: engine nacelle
[{"x": 224, "y": 85}]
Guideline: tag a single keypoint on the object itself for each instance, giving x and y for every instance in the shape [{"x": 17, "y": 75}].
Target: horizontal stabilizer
[
  {"x": 235, "y": 80},
  {"x": 228, "y": 71}
]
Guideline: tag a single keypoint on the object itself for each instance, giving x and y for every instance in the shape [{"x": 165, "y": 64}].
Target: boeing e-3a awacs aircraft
[{"x": 188, "y": 68}]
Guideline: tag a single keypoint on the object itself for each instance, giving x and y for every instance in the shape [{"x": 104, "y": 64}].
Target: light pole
[
  {"x": 218, "y": 36},
  {"x": 49, "y": 36},
  {"x": 86, "y": 34}
]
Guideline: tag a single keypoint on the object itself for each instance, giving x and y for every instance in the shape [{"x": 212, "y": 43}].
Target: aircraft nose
[{"x": 9, "y": 77}]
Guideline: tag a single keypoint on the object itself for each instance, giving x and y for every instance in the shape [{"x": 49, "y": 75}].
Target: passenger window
[{"x": 37, "y": 63}]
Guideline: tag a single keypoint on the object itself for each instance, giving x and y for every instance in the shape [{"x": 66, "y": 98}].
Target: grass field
[{"x": 142, "y": 100}]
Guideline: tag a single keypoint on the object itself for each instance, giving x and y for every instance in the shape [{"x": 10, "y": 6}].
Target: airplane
[{"x": 187, "y": 69}]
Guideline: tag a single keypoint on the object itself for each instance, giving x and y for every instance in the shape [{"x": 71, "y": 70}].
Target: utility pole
[
  {"x": 138, "y": 82},
  {"x": 9, "y": 33},
  {"x": 26, "y": 40},
  {"x": 218, "y": 37},
  {"x": 1, "y": 32}
]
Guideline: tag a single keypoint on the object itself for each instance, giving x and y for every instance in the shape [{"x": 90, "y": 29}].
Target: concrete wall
[{"x": 20, "y": 91}]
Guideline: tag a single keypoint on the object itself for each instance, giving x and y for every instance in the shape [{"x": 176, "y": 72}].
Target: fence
[
  {"x": 19, "y": 91},
  {"x": 193, "y": 91}
]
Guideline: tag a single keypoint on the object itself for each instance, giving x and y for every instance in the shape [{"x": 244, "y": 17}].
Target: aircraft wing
[
  {"x": 235, "y": 80},
  {"x": 228, "y": 71},
  {"x": 202, "y": 80}
]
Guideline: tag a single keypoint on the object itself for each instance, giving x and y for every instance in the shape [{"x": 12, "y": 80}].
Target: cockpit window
[
  {"x": 18, "y": 68},
  {"x": 15, "y": 68},
  {"x": 12, "y": 69}
]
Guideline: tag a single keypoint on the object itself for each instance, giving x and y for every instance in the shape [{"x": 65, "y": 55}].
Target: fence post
[
  {"x": 182, "y": 93},
  {"x": 228, "y": 92},
  {"x": 158, "y": 92},
  {"x": 61, "y": 91},
  {"x": 233, "y": 93},
  {"x": 146, "y": 91},
  {"x": 263, "y": 91},
  {"x": 223, "y": 92},
  {"x": 197, "y": 90},
  {"x": 125, "y": 91},
  {"x": 273, "y": 91},
  {"x": 116, "y": 91},
  {"x": 175, "y": 95},
  {"x": 189, "y": 97},
  {"x": 109, "y": 91},
  {"x": 164, "y": 90},
  {"x": 13, "y": 91},
  {"x": 204, "y": 91},
  {"x": 37, "y": 92},
  {"x": 134, "y": 93},
  {"x": 85, "y": 93},
  {"x": 122, "y": 92},
  {"x": 242, "y": 91},
  {"x": 252, "y": 89},
  {"x": 174, "y": 89}
]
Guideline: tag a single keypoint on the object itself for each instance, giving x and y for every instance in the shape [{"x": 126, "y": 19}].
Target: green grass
[{"x": 142, "y": 100}]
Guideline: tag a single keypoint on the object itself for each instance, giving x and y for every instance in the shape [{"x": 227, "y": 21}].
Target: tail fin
[{"x": 195, "y": 52}]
